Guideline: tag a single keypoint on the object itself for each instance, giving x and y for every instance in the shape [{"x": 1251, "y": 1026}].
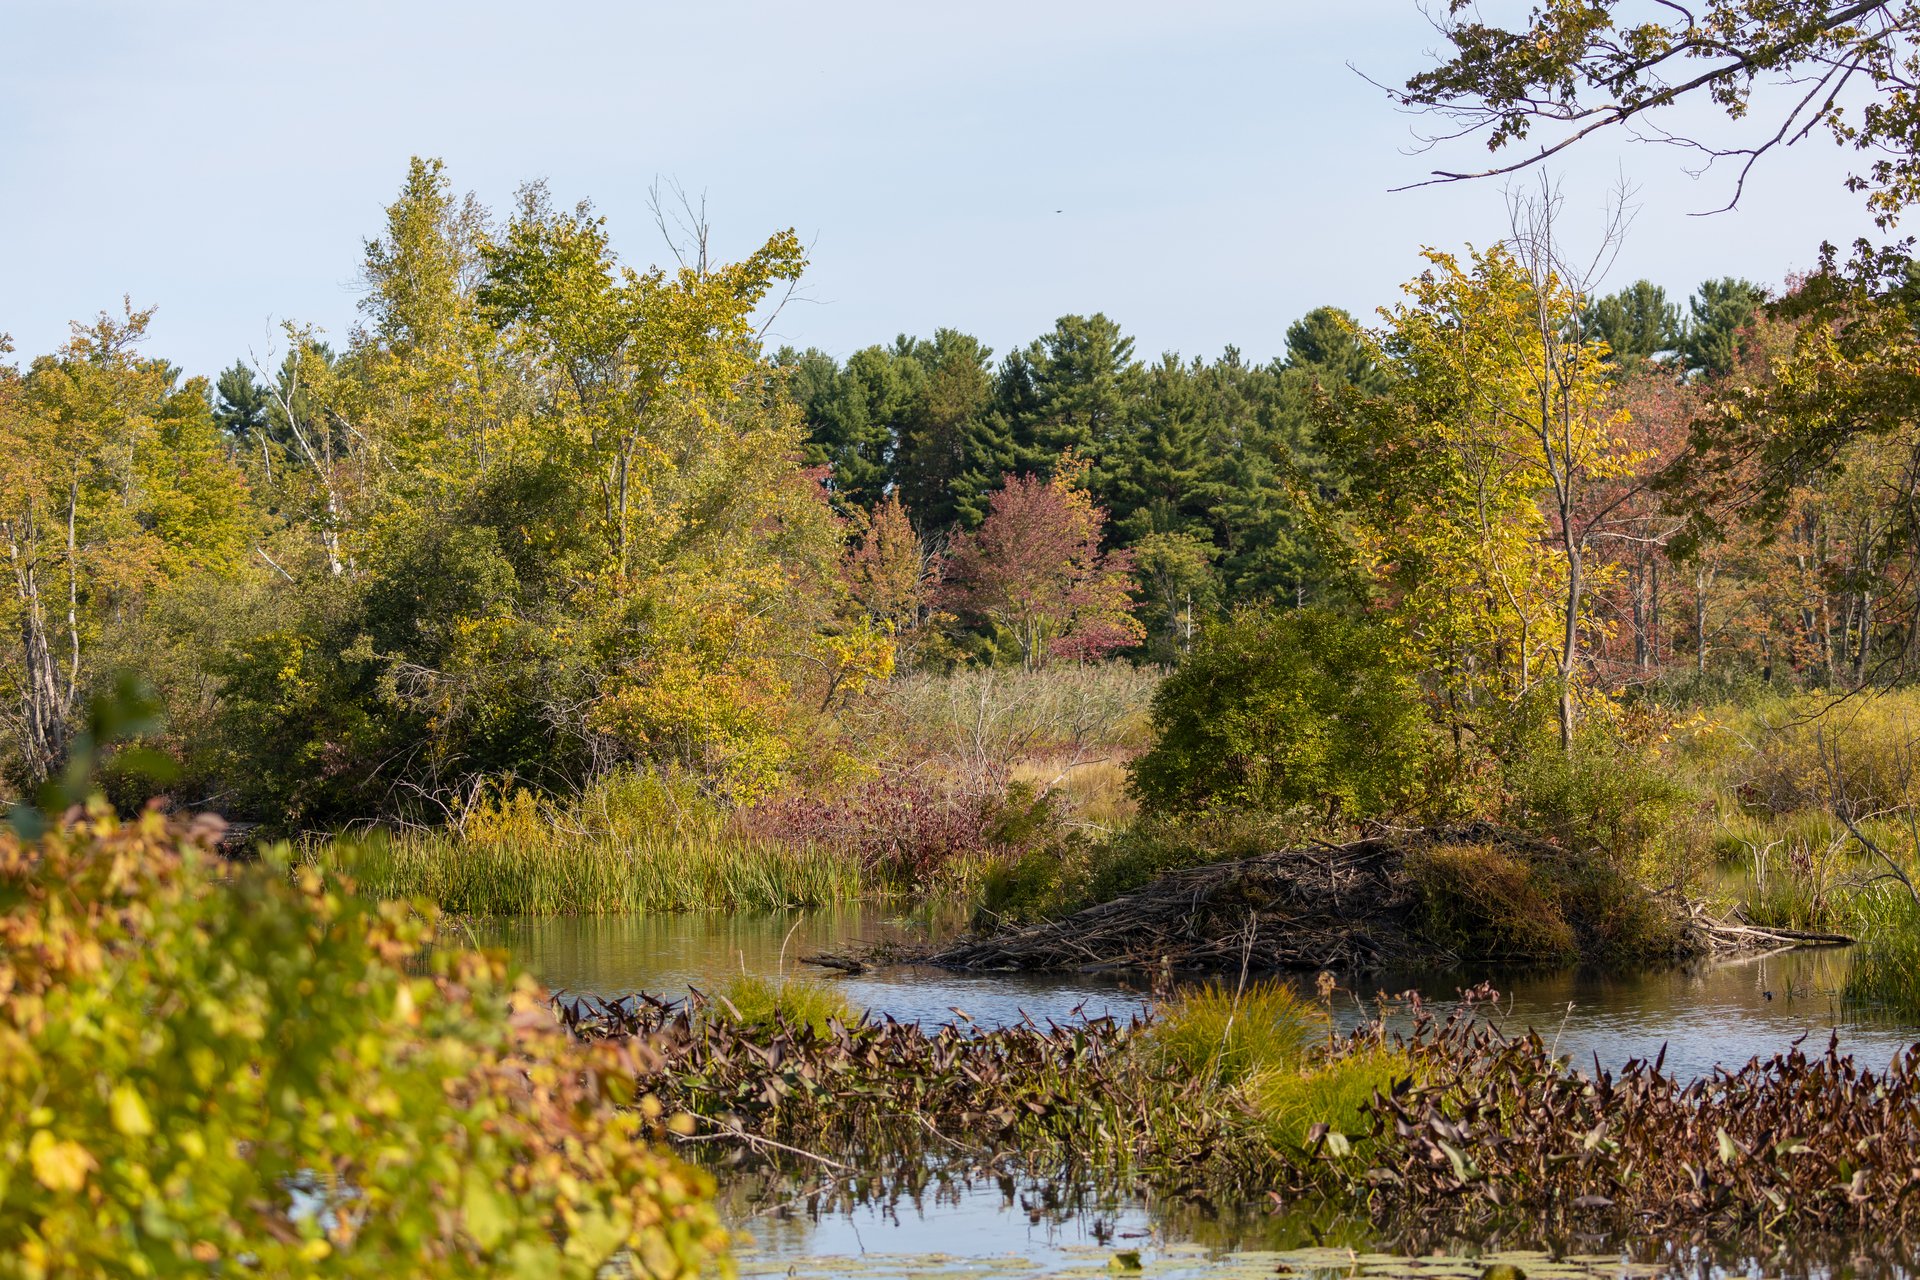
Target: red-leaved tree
[{"x": 1035, "y": 567}]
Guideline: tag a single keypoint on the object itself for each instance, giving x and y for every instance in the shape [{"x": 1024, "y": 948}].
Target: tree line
[{"x": 541, "y": 513}]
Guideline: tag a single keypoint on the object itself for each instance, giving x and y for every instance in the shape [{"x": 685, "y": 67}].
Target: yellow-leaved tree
[
  {"x": 114, "y": 483},
  {"x": 1483, "y": 473}
]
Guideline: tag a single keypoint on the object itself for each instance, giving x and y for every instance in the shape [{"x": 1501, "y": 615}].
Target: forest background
[{"x": 542, "y": 516}]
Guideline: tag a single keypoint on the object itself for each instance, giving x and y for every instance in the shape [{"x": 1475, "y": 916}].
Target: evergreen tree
[
  {"x": 1077, "y": 388},
  {"x": 1719, "y": 309},
  {"x": 853, "y": 414},
  {"x": 1637, "y": 323},
  {"x": 952, "y": 449},
  {"x": 1151, "y": 473},
  {"x": 240, "y": 404},
  {"x": 1327, "y": 342}
]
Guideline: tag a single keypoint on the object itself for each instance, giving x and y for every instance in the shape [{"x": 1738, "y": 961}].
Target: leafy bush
[
  {"x": 1281, "y": 711},
  {"x": 207, "y": 1070},
  {"x": 1610, "y": 794},
  {"x": 901, "y": 827}
]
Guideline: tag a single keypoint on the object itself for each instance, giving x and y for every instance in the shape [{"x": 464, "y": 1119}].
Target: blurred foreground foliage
[{"x": 208, "y": 1068}]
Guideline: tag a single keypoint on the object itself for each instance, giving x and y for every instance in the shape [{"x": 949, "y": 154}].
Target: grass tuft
[
  {"x": 1214, "y": 1033},
  {"x": 750, "y": 1001},
  {"x": 1290, "y": 1101}
]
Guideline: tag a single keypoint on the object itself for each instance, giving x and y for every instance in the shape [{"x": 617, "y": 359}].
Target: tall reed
[{"x": 565, "y": 873}]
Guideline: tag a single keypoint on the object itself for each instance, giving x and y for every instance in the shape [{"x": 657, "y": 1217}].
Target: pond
[{"x": 1704, "y": 1016}]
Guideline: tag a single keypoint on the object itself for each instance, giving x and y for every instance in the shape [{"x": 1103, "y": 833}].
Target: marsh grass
[
  {"x": 751, "y": 1001},
  {"x": 590, "y": 873},
  {"x": 1291, "y": 1101},
  {"x": 1223, "y": 1035},
  {"x": 1094, "y": 793},
  {"x": 1886, "y": 972}
]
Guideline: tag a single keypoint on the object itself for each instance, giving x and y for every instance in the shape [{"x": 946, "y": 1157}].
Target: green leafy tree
[{"x": 113, "y": 483}]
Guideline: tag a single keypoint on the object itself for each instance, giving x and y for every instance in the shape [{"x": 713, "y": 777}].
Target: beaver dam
[{"x": 1364, "y": 905}]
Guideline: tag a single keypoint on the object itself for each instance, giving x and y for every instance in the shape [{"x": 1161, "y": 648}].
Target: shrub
[
  {"x": 1541, "y": 907},
  {"x": 188, "y": 1051},
  {"x": 1610, "y": 794},
  {"x": 900, "y": 827},
  {"x": 1282, "y": 711}
]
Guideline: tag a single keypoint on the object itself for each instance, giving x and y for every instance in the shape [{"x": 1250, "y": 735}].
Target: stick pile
[
  {"x": 1326, "y": 907},
  {"x": 1346, "y": 907}
]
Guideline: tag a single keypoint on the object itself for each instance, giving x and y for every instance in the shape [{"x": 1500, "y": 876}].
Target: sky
[{"x": 1204, "y": 172}]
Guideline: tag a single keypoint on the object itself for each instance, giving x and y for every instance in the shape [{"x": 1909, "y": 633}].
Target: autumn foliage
[
  {"x": 1034, "y": 567},
  {"x": 206, "y": 1070}
]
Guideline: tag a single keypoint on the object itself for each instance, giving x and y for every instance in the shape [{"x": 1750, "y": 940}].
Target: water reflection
[
  {"x": 667, "y": 954},
  {"x": 911, "y": 1223},
  {"x": 1718, "y": 1013},
  {"x": 1707, "y": 1015}
]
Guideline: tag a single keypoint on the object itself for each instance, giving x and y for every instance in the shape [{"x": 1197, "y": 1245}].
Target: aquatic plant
[
  {"x": 1451, "y": 1132},
  {"x": 1494, "y": 1132},
  {"x": 872, "y": 1093},
  {"x": 1216, "y": 1032},
  {"x": 752, "y": 1001},
  {"x": 566, "y": 872}
]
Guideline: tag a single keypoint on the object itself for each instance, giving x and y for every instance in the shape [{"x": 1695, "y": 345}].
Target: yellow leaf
[
  {"x": 130, "y": 1116},
  {"x": 59, "y": 1165},
  {"x": 489, "y": 1215}
]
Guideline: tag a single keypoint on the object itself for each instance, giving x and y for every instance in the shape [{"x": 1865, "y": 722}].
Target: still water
[{"x": 1711, "y": 1015}]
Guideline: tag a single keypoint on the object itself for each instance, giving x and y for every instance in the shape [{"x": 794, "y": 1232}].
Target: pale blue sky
[{"x": 1217, "y": 168}]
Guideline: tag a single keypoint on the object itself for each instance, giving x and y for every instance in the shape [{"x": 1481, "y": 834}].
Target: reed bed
[{"x": 599, "y": 874}]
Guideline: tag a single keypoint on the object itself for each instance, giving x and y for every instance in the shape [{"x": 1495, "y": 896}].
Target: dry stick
[
  {"x": 754, "y": 1139},
  {"x": 1839, "y": 806}
]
